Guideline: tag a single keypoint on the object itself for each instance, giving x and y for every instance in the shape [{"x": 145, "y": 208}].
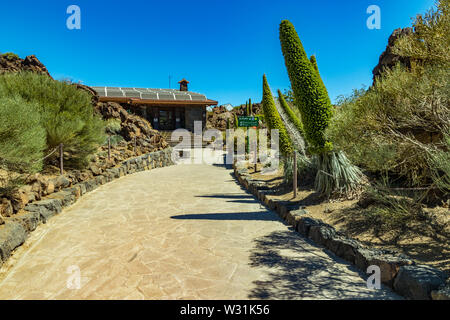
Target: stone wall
[
  {"x": 15, "y": 230},
  {"x": 399, "y": 272}
]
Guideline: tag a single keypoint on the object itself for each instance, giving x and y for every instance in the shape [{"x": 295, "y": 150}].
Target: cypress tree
[
  {"x": 250, "y": 107},
  {"x": 273, "y": 119},
  {"x": 309, "y": 92}
]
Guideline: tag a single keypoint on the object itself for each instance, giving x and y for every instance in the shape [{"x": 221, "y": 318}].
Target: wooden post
[
  {"x": 134, "y": 145},
  {"x": 109, "y": 148},
  {"x": 256, "y": 154},
  {"x": 295, "y": 175},
  {"x": 61, "y": 156}
]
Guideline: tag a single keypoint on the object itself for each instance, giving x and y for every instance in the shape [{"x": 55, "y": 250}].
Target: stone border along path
[
  {"x": 180, "y": 232},
  {"x": 419, "y": 282}
]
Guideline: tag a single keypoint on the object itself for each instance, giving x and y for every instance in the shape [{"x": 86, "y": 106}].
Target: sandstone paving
[{"x": 180, "y": 232}]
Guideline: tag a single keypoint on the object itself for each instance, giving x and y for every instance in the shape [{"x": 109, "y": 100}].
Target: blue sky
[{"x": 222, "y": 47}]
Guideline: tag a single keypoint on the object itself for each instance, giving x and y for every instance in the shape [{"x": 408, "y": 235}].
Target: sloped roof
[{"x": 149, "y": 94}]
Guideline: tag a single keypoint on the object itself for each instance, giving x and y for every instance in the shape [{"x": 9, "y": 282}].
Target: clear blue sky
[{"x": 222, "y": 47}]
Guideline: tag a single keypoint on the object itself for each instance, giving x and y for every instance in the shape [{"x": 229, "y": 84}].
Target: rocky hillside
[
  {"x": 132, "y": 126},
  {"x": 217, "y": 118},
  {"x": 10, "y": 62}
]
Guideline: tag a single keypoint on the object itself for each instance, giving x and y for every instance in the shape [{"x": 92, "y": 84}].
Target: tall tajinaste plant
[{"x": 334, "y": 171}]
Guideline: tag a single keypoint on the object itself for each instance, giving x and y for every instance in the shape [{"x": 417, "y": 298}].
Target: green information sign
[{"x": 248, "y": 121}]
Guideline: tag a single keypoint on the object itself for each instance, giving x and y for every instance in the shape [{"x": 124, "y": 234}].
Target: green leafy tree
[{"x": 273, "y": 119}]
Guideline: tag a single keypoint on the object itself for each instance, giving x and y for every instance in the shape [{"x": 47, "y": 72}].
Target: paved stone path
[{"x": 182, "y": 232}]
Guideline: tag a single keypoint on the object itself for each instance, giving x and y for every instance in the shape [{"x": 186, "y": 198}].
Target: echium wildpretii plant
[{"x": 335, "y": 173}]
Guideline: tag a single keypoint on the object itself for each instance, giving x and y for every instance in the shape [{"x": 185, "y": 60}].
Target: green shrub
[
  {"x": 397, "y": 128},
  {"x": 295, "y": 120},
  {"x": 113, "y": 126},
  {"x": 394, "y": 126},
  {"x": 304, "y": 165},
  {"x": 273, "y": 119},
  {"x": 22, "y": 141},
  {"x": 310, "y": 94},
  {"x": 439, "y": 162},
  {"x": 22, "y": 136},
  {"x": 66, "y": 113},
  {"x": 10, "y": 56},
  {"x": 429, "y": 44}
]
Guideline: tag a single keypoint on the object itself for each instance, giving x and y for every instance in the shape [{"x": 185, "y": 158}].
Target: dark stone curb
[
  {"x": 398, "y": 271},
  {"x": 15, "y": 231}
]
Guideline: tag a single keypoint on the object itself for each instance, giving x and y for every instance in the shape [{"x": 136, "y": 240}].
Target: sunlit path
[{"x": 181, "y": 232}]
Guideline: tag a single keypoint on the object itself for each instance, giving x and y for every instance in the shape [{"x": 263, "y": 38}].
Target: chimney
[{"x": 183, "y": 85}]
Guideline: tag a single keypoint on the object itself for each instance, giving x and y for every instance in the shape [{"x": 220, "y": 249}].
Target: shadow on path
[
  {"x": 298, "y": 269},
  {"x": 262, "y": 216}
]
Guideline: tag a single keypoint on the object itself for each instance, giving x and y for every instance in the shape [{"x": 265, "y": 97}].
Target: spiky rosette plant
[
  {"x": 273, "y": 119},
  {"x": 335, "y": 173}
]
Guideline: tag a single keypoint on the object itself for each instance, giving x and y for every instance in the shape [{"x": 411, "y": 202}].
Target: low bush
[
  {"x": 66, "y": 114},
  {"x": 22, "y": 142}
]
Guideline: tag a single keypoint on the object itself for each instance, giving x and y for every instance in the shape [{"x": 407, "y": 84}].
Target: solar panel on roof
[
  {"x": 198, "y": 98},
  {"x": 149, "y": 93},
  {"x": 135, "y": 94},
  {"x": 165, "y": 96},
  {"x": 152, "y": 96}
]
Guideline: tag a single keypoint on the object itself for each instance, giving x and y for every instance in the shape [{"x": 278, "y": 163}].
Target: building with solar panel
[{"x": 165, "y": 109}]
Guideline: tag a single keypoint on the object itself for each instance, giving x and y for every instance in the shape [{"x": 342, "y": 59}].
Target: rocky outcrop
[
  {"x": 133, "y": 126},
  {"x": 217, "y": 118},
  {"x": 417, "y": 282},
  {"x": 388, "y": 59},
  {"x": 12, "y": 63}
]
